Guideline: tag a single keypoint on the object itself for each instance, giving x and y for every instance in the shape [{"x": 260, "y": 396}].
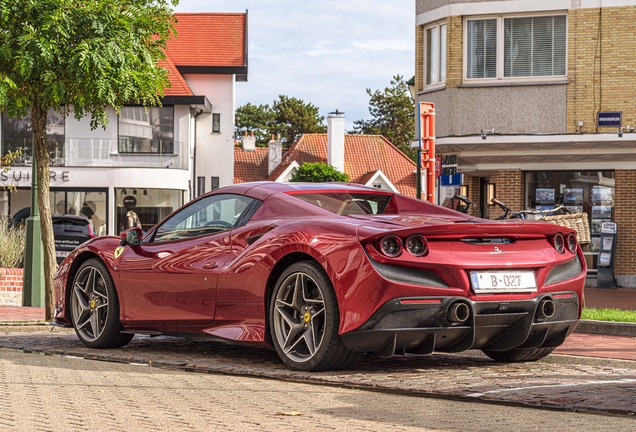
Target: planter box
[{"x": 11, "y": 286}]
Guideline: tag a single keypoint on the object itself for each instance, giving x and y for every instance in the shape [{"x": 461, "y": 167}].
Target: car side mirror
[{"x": 131, "y": 236}]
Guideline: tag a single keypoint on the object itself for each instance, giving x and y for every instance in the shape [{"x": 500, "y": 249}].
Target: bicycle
[
  {"x": 467, "y": 207},
  {"x": 523, "y": 214}
]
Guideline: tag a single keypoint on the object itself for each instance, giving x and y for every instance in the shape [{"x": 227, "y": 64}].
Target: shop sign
[
  {"x": 449, "y": 165},
  {"x": 608, "y": 227},
  {"x": 610, "y": 119},
  {"x": 22, "y": 176}
]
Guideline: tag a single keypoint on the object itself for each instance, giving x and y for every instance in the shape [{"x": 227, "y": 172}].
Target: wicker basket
[{"x": 577, "y": 222}]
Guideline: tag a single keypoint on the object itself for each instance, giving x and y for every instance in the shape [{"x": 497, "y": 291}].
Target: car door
[{"x": 169, "y": 282}]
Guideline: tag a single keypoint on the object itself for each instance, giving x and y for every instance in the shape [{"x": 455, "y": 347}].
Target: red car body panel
[{"x": 218, "y": 285}]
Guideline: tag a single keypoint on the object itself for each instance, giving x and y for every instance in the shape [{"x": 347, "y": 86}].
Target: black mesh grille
[{"x": 565, "y": 271}]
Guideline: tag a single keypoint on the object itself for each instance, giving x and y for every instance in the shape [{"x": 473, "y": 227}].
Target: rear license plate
[
  {"x": 62, "y": 254},
  {"x": 498, "y": 281}
]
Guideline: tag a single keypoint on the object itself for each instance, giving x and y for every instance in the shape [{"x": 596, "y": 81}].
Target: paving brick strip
[{"x": 555, "y": 385}]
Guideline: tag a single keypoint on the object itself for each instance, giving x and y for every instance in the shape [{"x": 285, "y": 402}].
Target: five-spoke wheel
[
  {"x": 95, "y": 307},
  {"x": 304, "y": 320}
]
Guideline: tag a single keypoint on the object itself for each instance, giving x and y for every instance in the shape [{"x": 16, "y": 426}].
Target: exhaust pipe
[
  {"x": 546, "y": 309},
  {"x": 458, "y": 312}
]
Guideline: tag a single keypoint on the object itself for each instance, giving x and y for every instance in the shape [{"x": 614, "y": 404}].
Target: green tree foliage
[
  {"x": 317, "y": 173},
  {"x": 392, "y": 112},
  {"x": 288, "y": 116},
  {"x": 254, "y": 118},
  {"x": 81, "y": 56}
]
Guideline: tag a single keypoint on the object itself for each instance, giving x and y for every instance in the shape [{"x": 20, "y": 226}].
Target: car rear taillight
[
  {"x": 559, "y": 243},
  {"x": 570, "y": 242},
  {"x": 417, "y": 245},
  {"x": 391, "y": 246},
  {"x": 91, "y": 234}
]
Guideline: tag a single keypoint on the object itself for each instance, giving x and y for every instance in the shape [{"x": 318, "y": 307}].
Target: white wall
[{"x": 215, "y": 151}]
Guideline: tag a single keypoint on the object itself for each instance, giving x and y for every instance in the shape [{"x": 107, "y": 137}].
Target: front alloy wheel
[
  {"x": 95, "y": 307},
  {"x": 304, "y": 320}
]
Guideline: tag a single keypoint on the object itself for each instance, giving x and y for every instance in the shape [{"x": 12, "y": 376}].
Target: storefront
[{"x": 590, "y": 192}]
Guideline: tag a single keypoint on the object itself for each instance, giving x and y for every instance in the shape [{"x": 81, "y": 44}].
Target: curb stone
[{"x": 606, "y": 328}]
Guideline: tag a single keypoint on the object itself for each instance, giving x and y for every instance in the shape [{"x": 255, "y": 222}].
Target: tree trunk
[{"x": 41, "y": 147}]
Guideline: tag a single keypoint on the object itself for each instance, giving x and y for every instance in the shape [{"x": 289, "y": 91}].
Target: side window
[{"x": 211, "y": 215}]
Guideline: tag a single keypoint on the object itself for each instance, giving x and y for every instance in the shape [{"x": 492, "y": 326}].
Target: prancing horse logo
[{"x": 498, "y": 250}]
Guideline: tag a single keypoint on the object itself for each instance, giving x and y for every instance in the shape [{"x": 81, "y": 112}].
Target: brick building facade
[{"x": 518, "y": 86}]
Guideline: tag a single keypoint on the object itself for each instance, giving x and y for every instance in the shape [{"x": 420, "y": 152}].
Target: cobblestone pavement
[
  {"x": 52, "y": 393},
  {"x": 572, "y": 386}
]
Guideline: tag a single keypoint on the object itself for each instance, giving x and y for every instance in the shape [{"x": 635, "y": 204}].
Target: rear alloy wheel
[
  {"x": 304, "y": 320},
  {"x": 95, "y": 307},
  {"x": 519, "y": 354}
]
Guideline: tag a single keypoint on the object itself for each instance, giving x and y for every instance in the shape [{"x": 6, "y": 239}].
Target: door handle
[{"x": 210, "y": 265}]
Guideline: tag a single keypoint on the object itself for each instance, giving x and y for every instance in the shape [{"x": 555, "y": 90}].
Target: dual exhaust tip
[
  {"x": 459, "y": 312},
  {"x": 546, "y": 309}
]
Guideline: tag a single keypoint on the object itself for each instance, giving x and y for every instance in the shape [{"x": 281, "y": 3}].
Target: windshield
[
  {"x": 347, "y": 203},
  {"x": 70, "y": 227}
]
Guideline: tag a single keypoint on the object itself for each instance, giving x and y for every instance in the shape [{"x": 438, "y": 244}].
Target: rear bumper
[{"x": 420, "y": 325}]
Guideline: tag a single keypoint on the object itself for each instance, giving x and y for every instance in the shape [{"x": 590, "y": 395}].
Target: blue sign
[
  {"x": 610, "y": 119},
  {"x": 451, "y": 180}
]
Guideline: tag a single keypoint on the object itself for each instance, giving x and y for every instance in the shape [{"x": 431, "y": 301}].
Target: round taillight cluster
[
  {"x": 570, "y": 242},
  {"x": 417, "y": 245},
  {"x": 558, "y": 242},
  {"x": 391, "y": 245}
]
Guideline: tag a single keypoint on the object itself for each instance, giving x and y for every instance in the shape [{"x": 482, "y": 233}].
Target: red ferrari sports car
[{"x": 325, "y": 272}]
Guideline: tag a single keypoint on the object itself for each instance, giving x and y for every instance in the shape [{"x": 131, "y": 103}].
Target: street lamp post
[{"x": 33, "y": 287}]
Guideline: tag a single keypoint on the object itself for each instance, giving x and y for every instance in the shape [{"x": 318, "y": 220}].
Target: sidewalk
[{"x": 577, "y": 344}]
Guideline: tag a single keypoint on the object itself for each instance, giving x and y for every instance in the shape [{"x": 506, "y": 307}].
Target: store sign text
[{"x": 26, "y": 176}]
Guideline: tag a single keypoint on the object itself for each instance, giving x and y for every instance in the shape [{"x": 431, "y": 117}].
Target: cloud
[{"x": 325, "y": 52}]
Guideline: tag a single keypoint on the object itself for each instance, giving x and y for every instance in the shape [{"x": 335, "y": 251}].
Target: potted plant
[{"x": 11, "y": 258}]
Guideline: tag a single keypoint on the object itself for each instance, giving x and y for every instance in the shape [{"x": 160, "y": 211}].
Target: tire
[
  {"x": 95, "y": 307},
  {"x": 519, "y": 354},
  {"x": 304, "y": 319}
]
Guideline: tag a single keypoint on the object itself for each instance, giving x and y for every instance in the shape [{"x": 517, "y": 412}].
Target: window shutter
[
  {"x": 481, "y": 59},
  {"x": 534, "y": 46}
]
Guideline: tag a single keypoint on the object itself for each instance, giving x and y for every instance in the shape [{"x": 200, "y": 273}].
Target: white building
[{"x": 148, "y": 160}]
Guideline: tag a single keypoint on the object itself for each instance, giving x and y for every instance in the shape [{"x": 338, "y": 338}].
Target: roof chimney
[
  {"x": 249, "y": 142},
  {"x": 336, "y": 140},
  {"x": 274, "y": 153}
]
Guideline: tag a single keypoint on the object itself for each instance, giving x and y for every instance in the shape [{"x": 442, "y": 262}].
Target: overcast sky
[{"x": 325, "y": 52}]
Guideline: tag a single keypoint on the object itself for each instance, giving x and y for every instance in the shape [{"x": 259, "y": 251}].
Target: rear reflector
[
  {"x": 418, "y": 301},
  {"x": 560, "y": 296}
]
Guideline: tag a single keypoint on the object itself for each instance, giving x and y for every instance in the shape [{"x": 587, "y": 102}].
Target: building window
[
  {"x": 150, "y": 205},
  {"x": 216, "y": 122},
  {"x": 17, "y": 133},
  {"x": 214, "y": 185},
  {"x": 146, "y": 130},
  {"x": 200, "y": 186},
  {"x": 515, "y": 48},
  {"x": 435, "y": 54}
]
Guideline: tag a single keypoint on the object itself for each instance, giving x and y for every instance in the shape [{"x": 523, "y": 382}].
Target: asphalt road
[{"x": 51, "y": 393}]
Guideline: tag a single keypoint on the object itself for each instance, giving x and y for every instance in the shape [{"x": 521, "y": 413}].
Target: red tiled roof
[
  {"x": 208, "y": 39},
  {"x": 178, "y": 85},
  {"x": 250, "y": 166},
  {"x": 364, "y": 156}
]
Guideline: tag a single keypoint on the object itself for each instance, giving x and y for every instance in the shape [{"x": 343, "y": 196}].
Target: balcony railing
[{"x": 105, "y": 152}]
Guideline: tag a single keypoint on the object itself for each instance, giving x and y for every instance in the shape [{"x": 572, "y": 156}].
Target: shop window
[
  {"x": 516, "y": 48},
  {"x": 435, "y": 54},
  {"x": 150, "y": 205},
  {"x": 4, "y": 203},
  {"x": 146, "y": 130},
  {"x": 590, "y": 192},
  {"x": 216, "y": 122},
  {"x": 17, "y": 133}
]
